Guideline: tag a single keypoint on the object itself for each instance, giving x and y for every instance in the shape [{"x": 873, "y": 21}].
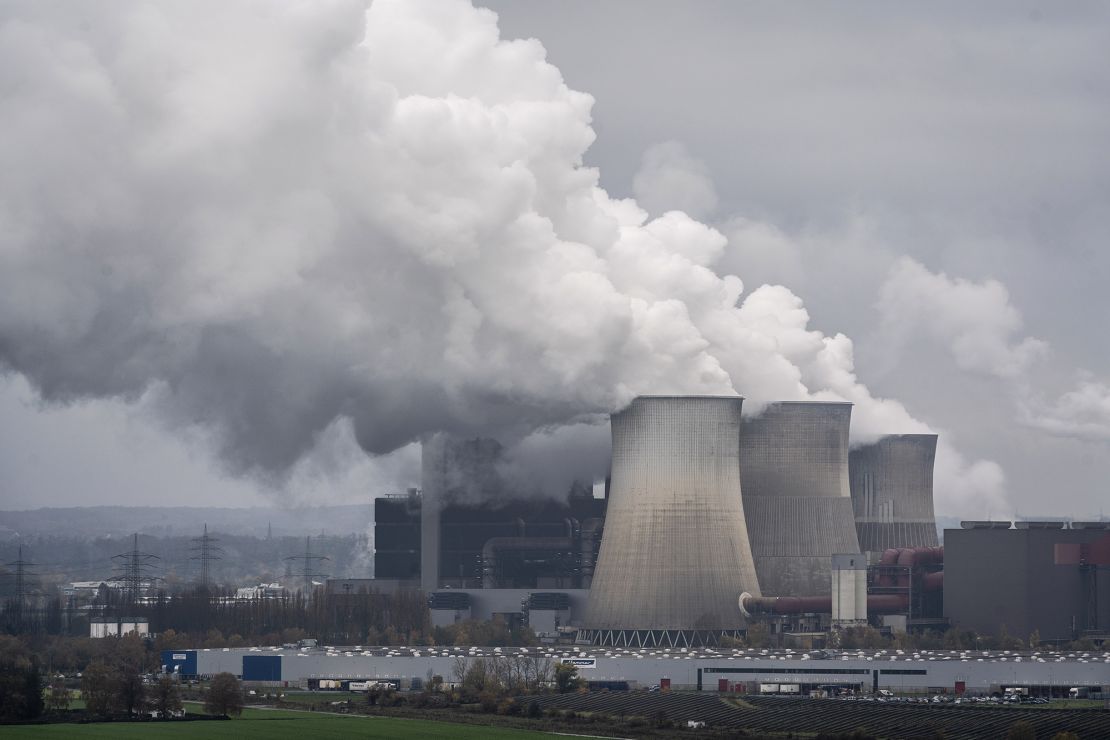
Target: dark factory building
[
  {"x": 516, "y": 543},
  {"x": 1037, "y": 577},
  {"x": 397, "y": 536}
]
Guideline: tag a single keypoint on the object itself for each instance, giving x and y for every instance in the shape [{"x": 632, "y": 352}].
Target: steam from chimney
[{"x": 272, "y": 219}]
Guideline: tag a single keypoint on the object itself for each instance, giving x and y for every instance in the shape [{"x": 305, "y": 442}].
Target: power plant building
[
  {"x": 798, "y": 507},
  {"x": 702, "y": 506},
  {"x": 675, "y": 554},
  {"x": 1037, "y": 577},
  {"x": 469, "y": 530},
  {"x": 892, "y": 492}
]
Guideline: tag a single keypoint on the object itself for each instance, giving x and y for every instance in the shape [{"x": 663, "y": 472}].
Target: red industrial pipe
[{"x": 908, "y": 558}]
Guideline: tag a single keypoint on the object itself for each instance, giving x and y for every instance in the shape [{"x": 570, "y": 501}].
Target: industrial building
[
  {"x": 794, "y": 478},
  {"x": 118, "y": 626},
  {"x": 892, "y": 492},
  {"x": 675, "y": 554},
  {"x": 516, "y": 543},
  {"x": 707, "y": 505},
  {"x": 711, "y": 520},
  {"x": 954, "y": 672},
  {"x": 1043, "y": 577}
]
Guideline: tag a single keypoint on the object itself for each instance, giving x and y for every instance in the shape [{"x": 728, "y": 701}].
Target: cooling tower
[
  {"x": 794, "y": 469},
  {"x": 674, "y": 553},
  {"x": 892, "y": 492}
]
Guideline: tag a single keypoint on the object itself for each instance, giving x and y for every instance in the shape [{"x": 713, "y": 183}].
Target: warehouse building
[{"x": 708, "y": 670}]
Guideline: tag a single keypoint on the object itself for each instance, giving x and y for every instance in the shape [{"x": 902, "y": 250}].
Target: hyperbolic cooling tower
[
  {"x": 892, "y": 492},
  {"x": 674, "y": 553},
  {"x": 794, "y": 468}
]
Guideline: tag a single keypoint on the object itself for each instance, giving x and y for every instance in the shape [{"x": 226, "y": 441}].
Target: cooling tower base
[
  {"x": 881, "y": 536},
  {"x": 656, "y": 638}
]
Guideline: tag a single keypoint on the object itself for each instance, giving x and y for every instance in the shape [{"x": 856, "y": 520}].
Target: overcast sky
[{"x": 931, "y": 180}]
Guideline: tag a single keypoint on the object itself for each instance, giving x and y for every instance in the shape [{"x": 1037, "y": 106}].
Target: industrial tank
[
  {"x": 794, "y": 474},
  {"x": 674, "y": 554}
]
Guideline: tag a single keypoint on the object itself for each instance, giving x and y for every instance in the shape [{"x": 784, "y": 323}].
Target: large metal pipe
[{"x": 896, "y": 567}]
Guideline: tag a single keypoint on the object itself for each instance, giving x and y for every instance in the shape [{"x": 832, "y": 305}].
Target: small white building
[
  {"x": 109, "y": 627},
  {"x": 261, "y": 591}
]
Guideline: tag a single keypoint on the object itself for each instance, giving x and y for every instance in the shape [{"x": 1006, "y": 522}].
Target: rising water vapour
[{"x": 268, "y": 220}]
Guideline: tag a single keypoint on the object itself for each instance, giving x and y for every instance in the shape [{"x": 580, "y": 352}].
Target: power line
[
  {"x": 206, "y": 552},
  {"x": 134, "y": 570},
  {"x": 23, "y": 580},
  {"x": 309, "y": 562}
]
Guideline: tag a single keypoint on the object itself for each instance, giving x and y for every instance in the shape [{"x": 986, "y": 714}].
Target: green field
[{"x": 263, "y": 723}]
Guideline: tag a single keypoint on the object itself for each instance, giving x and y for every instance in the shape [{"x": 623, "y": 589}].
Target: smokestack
[
  {"x": 452, "y": 470},
  {"x": 794, "y": 468},
  {"x": 892, "y": 492},
  {"x": 674, "y": 553}
]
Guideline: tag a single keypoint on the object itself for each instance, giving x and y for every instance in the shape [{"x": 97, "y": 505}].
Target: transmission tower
[
  {"x": 309, "y": 562},
  {"x": 23, "y": 582},
  {"x": 205, "y": 551},
  {"x": 133, "y": 569}
]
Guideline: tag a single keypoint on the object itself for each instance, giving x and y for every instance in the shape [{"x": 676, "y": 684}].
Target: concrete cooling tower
[
  {"x": 674, "y": 553},
  {"x": 892, "y": 492},
  {"x": 794, "y": 470}
]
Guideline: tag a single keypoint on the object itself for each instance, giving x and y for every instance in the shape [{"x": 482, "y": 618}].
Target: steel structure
[
  {"x": 309, "y": 562},
  {"x": 134, "y": 570},
  {"x": 674, "y": 554},
  {"x": 892, "y": 492},
  {"x": 205, "y": 552},
  {"x": 794, "y": 470}
]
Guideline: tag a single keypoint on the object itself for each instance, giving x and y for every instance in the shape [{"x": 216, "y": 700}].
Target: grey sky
[
  {"x": 826, "y": 142},
  {"x": 973, "y": 138}
]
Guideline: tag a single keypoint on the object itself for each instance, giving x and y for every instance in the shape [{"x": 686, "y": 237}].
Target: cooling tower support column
[{"x": 674, "y": 553}]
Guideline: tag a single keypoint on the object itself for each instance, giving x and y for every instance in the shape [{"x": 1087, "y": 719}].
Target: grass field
[{"x": 265, "y": 724}]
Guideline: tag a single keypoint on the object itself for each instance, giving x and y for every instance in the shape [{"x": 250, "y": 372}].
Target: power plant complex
[
  {"x": 711, "y": 525},
  {"x": 710, "y": 521}
]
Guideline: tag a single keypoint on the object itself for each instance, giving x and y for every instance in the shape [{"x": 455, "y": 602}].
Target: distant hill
[{"x": 169, "y": 521}]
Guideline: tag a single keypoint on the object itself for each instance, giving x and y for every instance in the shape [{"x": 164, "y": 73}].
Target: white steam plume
[
  {"x": 981, "y": 329},
  {"x": 279, "y": 218}
]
